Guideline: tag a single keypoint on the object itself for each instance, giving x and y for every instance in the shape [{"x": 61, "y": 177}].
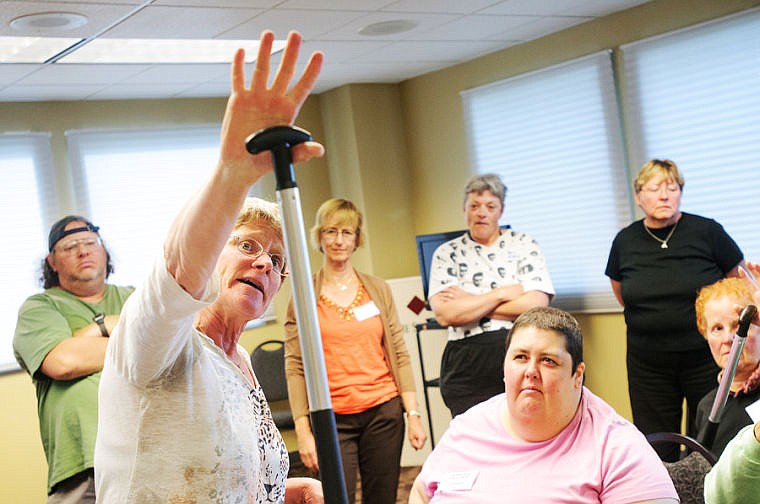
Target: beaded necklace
[{"x": 346, "y": 313}]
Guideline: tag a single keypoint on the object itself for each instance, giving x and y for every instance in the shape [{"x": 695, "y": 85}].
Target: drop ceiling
[{"x": 445, "y": 33}]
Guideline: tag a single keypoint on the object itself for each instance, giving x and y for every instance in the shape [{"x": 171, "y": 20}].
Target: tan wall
[{"x": 398, "y": 151}]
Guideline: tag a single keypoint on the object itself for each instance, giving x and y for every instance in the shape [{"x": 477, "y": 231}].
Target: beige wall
[{"x": 398, "y": 151}]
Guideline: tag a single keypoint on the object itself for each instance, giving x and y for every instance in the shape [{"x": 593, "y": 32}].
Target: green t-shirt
[
  {"x": 736, "y": 476},
  {"x": 67, "y": 410}
]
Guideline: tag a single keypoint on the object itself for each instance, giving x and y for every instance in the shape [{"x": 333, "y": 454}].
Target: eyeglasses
[
  {"x": 332, "y": 234},
  {"x": 254, "y": 249},
  {"x": 72, "y": 246}
]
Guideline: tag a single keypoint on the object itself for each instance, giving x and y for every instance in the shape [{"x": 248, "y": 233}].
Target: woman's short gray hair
[{"x": 486, "y": 182}]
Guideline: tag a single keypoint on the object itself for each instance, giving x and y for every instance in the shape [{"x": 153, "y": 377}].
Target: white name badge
[
  {"x": 458, "y": 481},
  {"x": 753, "y": 410},
  {"x": 366, "y": 311}
]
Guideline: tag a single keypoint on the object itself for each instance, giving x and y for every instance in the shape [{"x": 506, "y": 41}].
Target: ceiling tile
[
  {"x": 140, "y": 91},
  {"x": 100, "y": 15},
  {"x": 466, "y": 28},
  {"x": 439, "y": 6},
  {"x": 68, "y": 75},
  {"x": 181, "y": 22},
  {"x": 10, "y": 73},
  {"x": 448, "y": 32},
  {"x": 178, "y": 74},
  {"x": 48, "y": 93},
  {"x": 309, "y": 23}
]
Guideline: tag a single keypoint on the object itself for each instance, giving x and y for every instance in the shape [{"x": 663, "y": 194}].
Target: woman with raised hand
[{"x": 182, "y": 417}]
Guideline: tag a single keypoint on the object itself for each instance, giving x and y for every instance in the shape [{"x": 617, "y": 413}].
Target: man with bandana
[{"x": 60, "y": 340}]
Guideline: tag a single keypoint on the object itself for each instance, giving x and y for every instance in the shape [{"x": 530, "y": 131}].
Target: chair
[
  {"x": 688, "y": 474},
  {"x": 268, "y": 361}
]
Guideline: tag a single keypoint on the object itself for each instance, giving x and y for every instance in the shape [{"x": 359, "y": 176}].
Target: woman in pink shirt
[{"x": 547, "y": 438}]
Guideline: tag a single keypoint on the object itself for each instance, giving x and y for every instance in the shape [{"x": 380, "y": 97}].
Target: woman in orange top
[{"x": 368, "y": 368}]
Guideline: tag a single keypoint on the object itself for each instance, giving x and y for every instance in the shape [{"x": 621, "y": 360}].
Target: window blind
[
  {"x": 29, "y": 203},
  {"x": 132, "y": 183},
  {"x": 693, "y": 96},
  {"x": 554, "y": 136}
]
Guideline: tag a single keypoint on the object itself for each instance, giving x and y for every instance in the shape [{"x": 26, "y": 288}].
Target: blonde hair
[
  {"x": 347, "y": 213},
  {"x": 664, "y": 167},
  {"x": 256, "y": 211},
  {"x": 735, "y": 289}
]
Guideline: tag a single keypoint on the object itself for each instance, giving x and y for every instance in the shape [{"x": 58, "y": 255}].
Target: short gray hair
[{"x": 486, "y": 182}]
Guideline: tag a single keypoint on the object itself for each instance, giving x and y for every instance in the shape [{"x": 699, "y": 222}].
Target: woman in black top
[{"x": 656, "y": 267}]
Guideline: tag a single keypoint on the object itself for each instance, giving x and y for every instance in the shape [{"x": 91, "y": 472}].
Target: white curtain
[{"x": 29, "y": 206}]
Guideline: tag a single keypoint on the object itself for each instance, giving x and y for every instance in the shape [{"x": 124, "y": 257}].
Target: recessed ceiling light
[
  {"x": 388, "y": 27},
  {"x": 49, "y": 22}
]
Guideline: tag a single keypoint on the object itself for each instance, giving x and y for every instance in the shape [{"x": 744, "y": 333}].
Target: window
[
  {"x": 132, "y": 183},
  {"x": 554, "y": 137},
  {"x": 694, "y": 97},
  {"x": 28, "y": 197}
]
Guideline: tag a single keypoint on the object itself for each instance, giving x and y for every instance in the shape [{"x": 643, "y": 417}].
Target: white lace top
[{"x": 178, "y": 420}]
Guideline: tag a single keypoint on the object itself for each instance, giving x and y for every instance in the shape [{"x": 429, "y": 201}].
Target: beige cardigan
[{"x": 394, "y": 347}]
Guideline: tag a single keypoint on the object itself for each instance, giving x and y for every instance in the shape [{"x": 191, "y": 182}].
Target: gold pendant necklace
[
  {"x": 343, "y": 286},
  {"x": 664, "y": 243}
]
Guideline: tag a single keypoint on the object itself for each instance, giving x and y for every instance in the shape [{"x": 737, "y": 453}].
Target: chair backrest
[
  {"x": 268, "y": 361},
  {"x": 688, "y": 473}
]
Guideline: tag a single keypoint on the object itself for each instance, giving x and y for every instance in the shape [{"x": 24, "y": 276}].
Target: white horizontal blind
[
  {"x": 28, "y": 202},
  {"x": 554, "y": 137},
  {"x": 694, "y": 97},
  {"x": 132, "y": 183}
]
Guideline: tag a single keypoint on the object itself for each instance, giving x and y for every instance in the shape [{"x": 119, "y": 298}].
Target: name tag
[
  {"x": 458, "y": 481},
  {"x": 753, "y": 410},
  {"x": 366, "y": 311}
]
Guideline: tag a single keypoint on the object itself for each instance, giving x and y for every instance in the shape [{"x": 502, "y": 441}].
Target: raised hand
[{"x": 254, "y": 107}]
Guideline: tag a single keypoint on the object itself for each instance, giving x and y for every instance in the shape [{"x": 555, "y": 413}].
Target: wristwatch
[
  {"x": 413, "y": 412},
  {"x": 100, "y": 319}
]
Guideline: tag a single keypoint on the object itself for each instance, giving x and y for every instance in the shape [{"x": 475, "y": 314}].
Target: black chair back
[{"x": 268, "y": 361}]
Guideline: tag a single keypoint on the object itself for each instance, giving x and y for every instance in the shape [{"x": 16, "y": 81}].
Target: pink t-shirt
[{"x": 598, "y": 457}]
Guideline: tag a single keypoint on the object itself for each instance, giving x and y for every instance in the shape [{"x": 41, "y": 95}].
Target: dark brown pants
[{"x": 371, "y": 442}]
